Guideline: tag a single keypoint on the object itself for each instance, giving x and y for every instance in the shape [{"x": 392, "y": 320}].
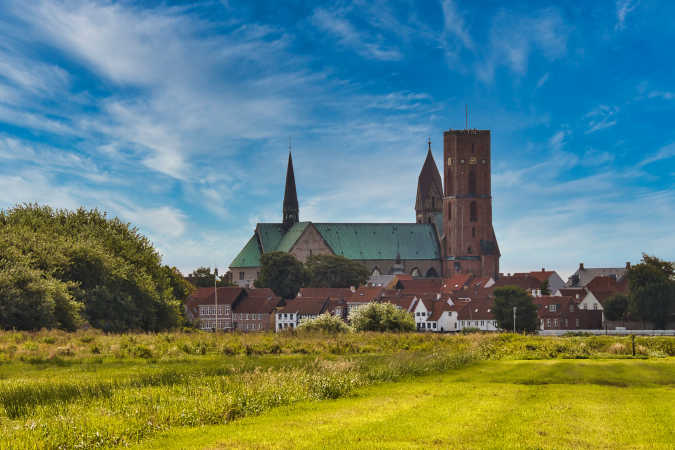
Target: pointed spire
[
  {"x": 291, "y": 210},
  {"x": 429, "y": 186}
]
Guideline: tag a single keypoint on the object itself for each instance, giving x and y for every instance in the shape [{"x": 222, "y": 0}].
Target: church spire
[
  {"x": 291, "y": 210},
  {"x": 429, "y": 190}
]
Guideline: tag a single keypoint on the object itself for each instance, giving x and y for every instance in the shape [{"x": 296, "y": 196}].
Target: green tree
[
  {"x": 180, "y": 287},
  {"x": 526, "y": 313},
  {"x": 381, "y": 317},
  {"x": 282, "y": 273},
  {"x": 203, "y": 277},
  {"x": 335, "y": 271},
  {"x": 652, "y": 290},
  {"x": 82, "y": 265},
  {"x": 326, "y": 323},
  {"x": 616, "y": 307},
  {"x": 545, "y": 290}
]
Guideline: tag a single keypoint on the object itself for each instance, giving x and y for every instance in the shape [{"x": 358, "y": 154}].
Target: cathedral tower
[
  {"x": 469, "y": 241},
  {"x": 291, "y": 211},
  {"x": 429, "y": 203}
]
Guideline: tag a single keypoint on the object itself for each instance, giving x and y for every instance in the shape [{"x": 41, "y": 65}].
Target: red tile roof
[
  {"x": 421, "y": 285},
  {"x": 541, "y": 275},
  {"x": 365, "y": 294},
  {"x": 476, "y": 309},
  {"x": 524, "y": 281},
  {"x": 325, "y": 292},
  {"x": 438, "y": 308},
  {"x": 456, "y": 282},
  {"x": 256, "y": 305},
  {"x": 306, "y": 305}
]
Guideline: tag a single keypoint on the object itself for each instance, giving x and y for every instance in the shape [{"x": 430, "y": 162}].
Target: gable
[{"x": 309, "y": 243}]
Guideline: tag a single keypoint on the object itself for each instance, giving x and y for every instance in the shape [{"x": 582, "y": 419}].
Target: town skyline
[{"x": 177, "y": 119}]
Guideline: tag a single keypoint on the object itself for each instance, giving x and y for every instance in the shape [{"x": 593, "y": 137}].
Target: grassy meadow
[{"x": 88, "y": 389}]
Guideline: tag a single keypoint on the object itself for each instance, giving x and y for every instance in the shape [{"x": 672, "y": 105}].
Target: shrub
[
  {"x": 381, "y": 317},
  {"x": 468, "y": 330},
  {"x": 327, "y": 323}
]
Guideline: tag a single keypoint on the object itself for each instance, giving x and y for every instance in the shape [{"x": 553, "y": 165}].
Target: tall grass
[{"x": 88, "y": 389}]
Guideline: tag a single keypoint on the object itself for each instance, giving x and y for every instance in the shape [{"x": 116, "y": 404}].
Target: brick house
[
  {"x": 211, "y": 311},
  {"x": 563, "y": 313}
]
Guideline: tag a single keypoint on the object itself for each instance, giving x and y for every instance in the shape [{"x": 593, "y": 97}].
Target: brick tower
[{"x": 469, "y": 242}]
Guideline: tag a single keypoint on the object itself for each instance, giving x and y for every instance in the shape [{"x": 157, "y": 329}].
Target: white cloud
[
  {"x": 665, "y": 152},
  {"x": 365, "y": 44},
  {"x": 455, "y": 33},
  {"x": 600, "y": 118},
  {"x": 542, "y": 80},
  {"x": 623, "y": 8},
  {"x": 665, "y": 95}
]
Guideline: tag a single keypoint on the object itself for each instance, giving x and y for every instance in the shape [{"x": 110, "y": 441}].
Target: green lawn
[{"x": 495, "y": 404}]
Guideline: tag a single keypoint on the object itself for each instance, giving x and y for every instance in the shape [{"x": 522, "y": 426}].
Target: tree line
[{"x": 67, "y": 269}]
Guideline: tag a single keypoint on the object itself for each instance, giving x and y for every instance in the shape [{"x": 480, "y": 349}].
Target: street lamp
[{"x": 514, "y": 318}]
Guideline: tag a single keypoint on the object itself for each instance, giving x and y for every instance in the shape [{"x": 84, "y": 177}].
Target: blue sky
[{"x": 176, "y": 117}]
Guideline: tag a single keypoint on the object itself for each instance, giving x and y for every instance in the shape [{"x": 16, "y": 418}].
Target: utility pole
[
  {"x": 514, "y": 318},
  {"x": 215, "y": 292}
]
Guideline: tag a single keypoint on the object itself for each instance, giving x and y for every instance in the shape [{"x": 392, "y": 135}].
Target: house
[
  {"x": 294, "y": 311},
  {"x": 211, "y": 308},
  {"x": 523, "y": 280},
  {"x": 563, "y": 313},
  {"x": 547, "y": 276},
  {"x": 362, "y": 296},
  {"x": 444, "y": 317},
  {"x": 255, "y": 311},
  {"x": 584, "y": 275},
  {"x": 421, "y": 312},
  {"x": 476, "y": 313}
]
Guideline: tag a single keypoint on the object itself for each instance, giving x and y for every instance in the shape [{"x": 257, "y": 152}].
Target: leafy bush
[
  {"x": 325, "y": 322},
  {"x": 469, "y": 330},
  {"x": 59, "y": 268},
  {"x": 381, "y": 317}
]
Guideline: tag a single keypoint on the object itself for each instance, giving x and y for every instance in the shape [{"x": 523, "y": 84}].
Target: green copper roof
[
  {"x": 270, "y": 235},
  {"x": 351, "y": 240},
  {"x": 292, "y": 236},
  {"x": 249, "y": 256},
  {"x": 381, "y": 240}
]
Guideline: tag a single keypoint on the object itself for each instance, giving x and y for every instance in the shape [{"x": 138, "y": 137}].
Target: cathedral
[{"x": 452, "y": 232}]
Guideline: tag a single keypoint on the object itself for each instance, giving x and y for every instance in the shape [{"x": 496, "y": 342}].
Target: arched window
[
  {"x": 448, "y": 183},
  {"x": 472, "y": 182},
  {"x": 473, "y": 212},
  {"x": 431, "y": 273},
  {"x": 416, "y": 272}
]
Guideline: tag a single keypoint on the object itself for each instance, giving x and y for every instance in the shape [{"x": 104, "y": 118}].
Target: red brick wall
[{"x": 467, "y": 152}]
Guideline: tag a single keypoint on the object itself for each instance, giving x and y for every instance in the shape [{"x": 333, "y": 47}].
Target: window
[
  {"x": 473, "y": 212},
  {"x": 473, "y": 231},
  {"x": 448, "y": 182},
  {"x": 472, "y": 182},
  {"x": 553, "y": 308},
  {"x": 577, "y": 322},
  {"x": 548, "y": 323},
  {"x": 469, "y": 250},
  {"x": 555, "y": 323},
  {"x": 571, "y": 307},
  {"x": 241, "y": 275},
  {"x": 566, "y": 323},
  {"x": 433, "y": 325},
  {"x": 449, "y": 211}
]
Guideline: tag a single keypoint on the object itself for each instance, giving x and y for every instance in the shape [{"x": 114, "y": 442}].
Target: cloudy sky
[{"x": 177, "y": 117}]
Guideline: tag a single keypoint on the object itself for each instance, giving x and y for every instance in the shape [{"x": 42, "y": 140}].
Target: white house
[
  {"x": 298, "y": 309},
  {"x": 477, "y": 314}
]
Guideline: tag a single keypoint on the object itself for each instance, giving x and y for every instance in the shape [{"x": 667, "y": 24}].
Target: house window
[
  {"x": 433, "y": 325},
  {"x": 577, "y": 321},
  {"x": 473, "y": 212},
  {"x": 241, "y": 275},
  {"x": 571, "y": 307},
  {"x": 553, "y": 308},
  {"x": 555, "y": 323},
  {"x": 566, "y": 325},
  {"x": 548, "y": 323}
]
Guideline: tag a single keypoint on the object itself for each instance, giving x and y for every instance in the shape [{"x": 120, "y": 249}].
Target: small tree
[
  {"x": 335, "y": 271},
  {"x": 282, "y": 273},
  {"x": 526, "y": 313},
  {"x": 381, "y": 317},
  {"x": 545, "y": 290},
  {"x": 652, "y": 290},
  {"x": 327, "y": 323},
  {"x": 616, "y": 307},
  {"x": 203, "y": 277}
]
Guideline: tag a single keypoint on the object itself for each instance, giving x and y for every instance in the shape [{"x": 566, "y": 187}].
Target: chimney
[
  {"x": 627, "y": 265},
  {"x": 581, "y": 266}
]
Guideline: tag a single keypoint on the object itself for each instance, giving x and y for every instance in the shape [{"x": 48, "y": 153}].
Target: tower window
[
  {"x": 472, "y": 182},
  {"x": 448, "y": 183},
  {"x": 469, "y": 250},
  {"x": 449, "y": 211},
  {"x": 473, "y": 231},
  {"x": 473, "y": 212}
]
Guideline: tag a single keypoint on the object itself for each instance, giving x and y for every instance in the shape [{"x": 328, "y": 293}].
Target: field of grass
[
  {"x": 496, "y": 404},
  {"x": 88, "y": 389}
]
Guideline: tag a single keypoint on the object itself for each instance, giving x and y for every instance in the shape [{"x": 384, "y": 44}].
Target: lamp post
[
  {"x": 215, "y": 292},
  {"x": 514, "y": 318}
]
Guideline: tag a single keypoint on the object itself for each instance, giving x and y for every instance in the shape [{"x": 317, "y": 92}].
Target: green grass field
[
  {"x": 497, "y": 404},
  {"x": 204, "y": 390}
]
